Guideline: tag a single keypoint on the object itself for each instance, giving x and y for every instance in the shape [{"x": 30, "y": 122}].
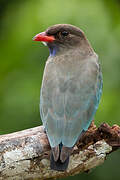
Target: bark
[{"x": 25, "y": 154}]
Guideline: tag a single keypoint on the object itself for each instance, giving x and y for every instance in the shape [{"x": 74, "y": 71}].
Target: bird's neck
[{"x": 83, "y": 50}]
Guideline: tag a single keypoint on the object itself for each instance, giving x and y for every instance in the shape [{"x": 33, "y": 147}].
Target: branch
[{"x": 25, "y": 154}]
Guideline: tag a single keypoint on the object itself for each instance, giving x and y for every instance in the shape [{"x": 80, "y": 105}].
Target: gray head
[{"x": 62, "y": 37}]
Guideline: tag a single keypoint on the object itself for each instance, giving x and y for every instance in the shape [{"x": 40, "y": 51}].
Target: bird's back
[{"x": 69, "y": 97}]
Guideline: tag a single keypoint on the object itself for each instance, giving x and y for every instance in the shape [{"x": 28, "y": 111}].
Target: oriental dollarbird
[{"x": 71, "y": 90}]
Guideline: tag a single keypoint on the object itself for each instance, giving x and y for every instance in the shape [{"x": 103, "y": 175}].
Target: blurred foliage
[{"x": 22, "y": 61}]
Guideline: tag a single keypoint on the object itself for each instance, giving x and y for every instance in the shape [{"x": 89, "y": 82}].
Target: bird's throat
[{"x": 53, "y": 51}]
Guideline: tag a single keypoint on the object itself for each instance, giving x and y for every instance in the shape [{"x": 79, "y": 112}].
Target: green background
[{"x": 22, "y": 62}]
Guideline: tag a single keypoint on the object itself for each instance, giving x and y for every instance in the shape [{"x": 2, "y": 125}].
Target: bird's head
[{"x": 62, "y": 37}]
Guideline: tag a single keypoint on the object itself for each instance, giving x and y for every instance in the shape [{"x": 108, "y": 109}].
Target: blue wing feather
[{"x": 80, "y": 115}]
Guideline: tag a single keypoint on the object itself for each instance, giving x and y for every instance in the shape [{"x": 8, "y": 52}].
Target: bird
[{"x": 71, "y": 90}]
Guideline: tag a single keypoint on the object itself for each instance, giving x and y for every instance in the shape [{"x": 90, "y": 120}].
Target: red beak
[{"x": 43, "y": 37}]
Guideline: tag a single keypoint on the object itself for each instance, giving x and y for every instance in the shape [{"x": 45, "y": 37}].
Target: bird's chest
[{"x": 67, "y": 68}]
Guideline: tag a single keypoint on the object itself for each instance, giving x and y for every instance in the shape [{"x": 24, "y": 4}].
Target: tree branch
[{"x": 25, "y": 154}]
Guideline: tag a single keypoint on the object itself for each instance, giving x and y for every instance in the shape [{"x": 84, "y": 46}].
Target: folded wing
[{"x": 68, "y": 103}]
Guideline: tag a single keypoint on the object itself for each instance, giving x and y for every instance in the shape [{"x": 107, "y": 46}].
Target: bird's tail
[{"x": 59, "y": 158}]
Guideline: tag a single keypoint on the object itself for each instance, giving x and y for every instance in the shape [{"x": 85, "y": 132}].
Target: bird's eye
[{"x": 64, "y": 33}]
